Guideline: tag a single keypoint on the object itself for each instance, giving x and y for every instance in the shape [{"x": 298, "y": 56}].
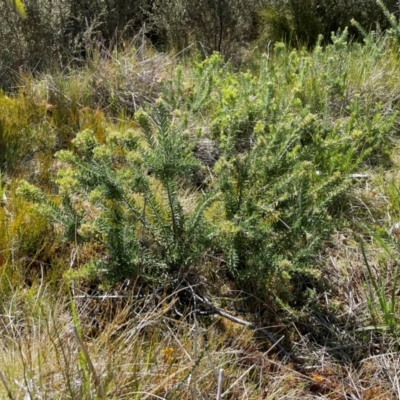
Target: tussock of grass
[{"x": 117, "y": 83}]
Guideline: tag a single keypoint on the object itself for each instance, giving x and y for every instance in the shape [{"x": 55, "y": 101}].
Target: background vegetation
[
  {"x": 58, "y": 34},
  {"x": 208, "y": 208}
]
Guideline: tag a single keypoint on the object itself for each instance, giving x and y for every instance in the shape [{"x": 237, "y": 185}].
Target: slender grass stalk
[
  {"x": 97, "y": 382},
  {"x": 220, "y": 384},
  {"x": 378, "y": 289},
  {"x": 4, "y": 382}
]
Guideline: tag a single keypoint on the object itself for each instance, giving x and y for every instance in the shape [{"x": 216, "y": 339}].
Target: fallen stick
[{"x": 215, "y": 310}]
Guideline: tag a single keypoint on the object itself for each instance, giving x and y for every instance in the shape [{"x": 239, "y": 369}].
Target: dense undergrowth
[{"x": 143, "y": 192}]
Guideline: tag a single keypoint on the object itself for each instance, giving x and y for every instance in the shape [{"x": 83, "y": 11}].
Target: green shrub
[
  {"x": 33, "y": 43},
  {"x": 300, "y": 22},
  {"x": 286, "y": 140},
  {"x": 55, "y": 34},
  {"x": 393, "y": 31},
  {"x": 289, "y": 138},
  {"x": 124, "y": 194}
]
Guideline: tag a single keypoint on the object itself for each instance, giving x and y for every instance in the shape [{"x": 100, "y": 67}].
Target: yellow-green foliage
[
  {"x": 68, "y": 104},
  {"x": 290, "y": 133},
  {"x": 28, "y": 243},
  {"x": 287, "y": 137},
  {"x": 18, "y": 7},
  {"x": 24, "y": 133}
]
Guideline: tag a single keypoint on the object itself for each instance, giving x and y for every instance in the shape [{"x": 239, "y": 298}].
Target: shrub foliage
[{"x": 288, "y": 140}]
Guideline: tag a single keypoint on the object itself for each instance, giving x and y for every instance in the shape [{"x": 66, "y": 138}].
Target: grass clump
[{"x": 25, "y": 135}]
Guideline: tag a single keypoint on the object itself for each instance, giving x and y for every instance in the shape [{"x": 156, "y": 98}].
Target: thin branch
[{"x": 215, "y": 310}]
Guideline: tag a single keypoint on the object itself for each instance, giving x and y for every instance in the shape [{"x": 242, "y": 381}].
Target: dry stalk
[
  {"x": 4, "y": 382},
  {"x": 220, "y": 384},
  {"x": 98, "y": 385}
]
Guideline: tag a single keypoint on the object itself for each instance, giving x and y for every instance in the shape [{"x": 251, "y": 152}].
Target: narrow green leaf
[{"x": 18, "y": 7}]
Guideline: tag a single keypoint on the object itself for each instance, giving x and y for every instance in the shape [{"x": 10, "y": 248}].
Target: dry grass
[
  {"x": 140, "y": 348},
  {"x": 116, "y": 82},
  {"x": 141, "y": 351}
]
